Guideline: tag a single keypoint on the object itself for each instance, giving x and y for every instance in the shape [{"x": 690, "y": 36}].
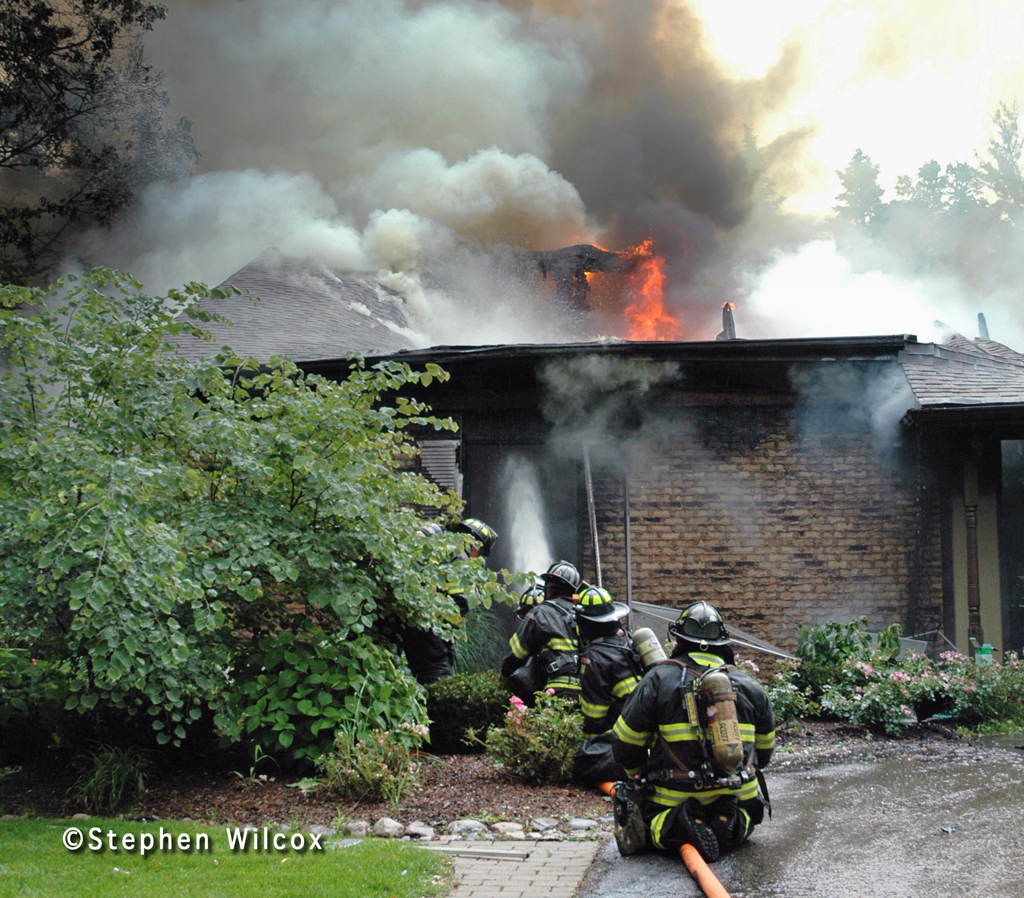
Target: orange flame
[{"x": 645, "y": 312}]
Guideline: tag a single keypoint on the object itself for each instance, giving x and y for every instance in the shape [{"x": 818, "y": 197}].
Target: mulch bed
[{"x": 456, "y": 786}]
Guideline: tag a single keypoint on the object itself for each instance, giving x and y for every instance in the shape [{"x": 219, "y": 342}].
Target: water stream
[{"x": 524, "y": 515}]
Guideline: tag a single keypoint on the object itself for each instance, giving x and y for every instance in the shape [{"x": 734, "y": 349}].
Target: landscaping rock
[
  {"x": 462, "y": 827},
  {"x": 357, "y": 828},
  {"x": 578, "y": 824},
  {"x": 388, "y": 828},
  {"x": 318, "y": 829},
  {"x": 509, "y": 830},
  {"x": 543, "y": 824},
  {"x": 420, "y": 830}
]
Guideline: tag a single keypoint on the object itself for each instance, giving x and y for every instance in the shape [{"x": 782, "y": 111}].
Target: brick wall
[{"x": 775, "y": 521}]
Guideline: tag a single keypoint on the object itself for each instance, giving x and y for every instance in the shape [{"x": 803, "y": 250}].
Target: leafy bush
[
  {"x": 788, "y": 700},
  {"x": 824, "y": 648},
  {"x": 294, "y": 692},
  {"x": 382, "y": 766},
  {"x": 537, "y": 744},
  {"x": 841, "y": 674},
  {"x": 165, "y": 525},
  {"x": 987, "y": 695},
  {"x": 111, "y": 777},
  {"x": 31, "y": 691},
  {"x": 466, "y": 701}
]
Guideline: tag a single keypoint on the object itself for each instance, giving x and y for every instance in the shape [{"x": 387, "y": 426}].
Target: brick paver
[{"x": 553, "y": 869}]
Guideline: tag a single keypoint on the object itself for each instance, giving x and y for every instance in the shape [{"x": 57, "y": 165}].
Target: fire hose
[{"x": 702, "y": 874}]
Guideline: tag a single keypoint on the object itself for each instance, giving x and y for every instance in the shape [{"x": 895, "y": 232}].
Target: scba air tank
[
  {"x": 647, "y": 647},
  {"x": 723, "y": 728}
]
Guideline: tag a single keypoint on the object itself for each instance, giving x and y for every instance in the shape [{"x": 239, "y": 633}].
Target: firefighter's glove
[
  {"x": 630, "y": 831},
  {"x": 695, "y": 823}
]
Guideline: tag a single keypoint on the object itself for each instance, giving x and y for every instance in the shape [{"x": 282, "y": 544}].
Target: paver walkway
[{"x": 552, "y": 869}]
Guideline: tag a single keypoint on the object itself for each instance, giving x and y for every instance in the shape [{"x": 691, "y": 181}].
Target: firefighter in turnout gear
[
  {"x": 431, "y": 658},
  {"x": 544, "y": 650},
  {"x": 693, "y": 737},
  {"x": 610, "y": 670}
]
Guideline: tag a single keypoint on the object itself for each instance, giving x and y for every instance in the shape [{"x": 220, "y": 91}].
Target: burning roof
[{"x": 304, "y": 310}]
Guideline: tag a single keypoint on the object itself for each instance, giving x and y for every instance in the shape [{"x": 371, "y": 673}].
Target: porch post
[{"x": 974, "y": 633}]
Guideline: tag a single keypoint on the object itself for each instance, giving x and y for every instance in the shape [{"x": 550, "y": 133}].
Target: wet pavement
[{"x": 940, "y": 820}]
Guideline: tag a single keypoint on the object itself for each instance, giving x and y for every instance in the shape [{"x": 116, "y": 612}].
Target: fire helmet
[
  {"x": 562, "y": 578},
  {"x": 700, "y": 623},
  {"x": 534, "y": 595},
  {"x": 431, "y": 528},
  {"x": 596, "y": 606},
  {"x": 485, "y": 534}
]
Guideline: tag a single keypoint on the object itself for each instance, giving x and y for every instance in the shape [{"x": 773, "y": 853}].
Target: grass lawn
[{"x": 34, "y": 862}]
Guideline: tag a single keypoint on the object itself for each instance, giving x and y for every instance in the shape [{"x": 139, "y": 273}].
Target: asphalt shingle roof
[
  {"x": 964, "y": 372},
  {"x": 302, "y": 309}
]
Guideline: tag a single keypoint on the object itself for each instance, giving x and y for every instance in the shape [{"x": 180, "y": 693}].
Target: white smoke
[
  {"x": 421, "y": 140},
  {"x": 816, "y": 291}
]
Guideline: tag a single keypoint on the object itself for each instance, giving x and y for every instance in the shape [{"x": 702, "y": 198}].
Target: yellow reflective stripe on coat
[
  {"x": 626, "y": 734},
  {"x": 764, "y": 740},
  {"x": 592, "y": 710},
  {"x": 669, "y": 797},
  {"x": 516, "y": 647},
  {"x": 568, "y": 683},
  {"x": 706, "y": 659},
  {"x": 679, "y": 732},
  {"x": 558, "y": 644},
  {"x": 625, "y": 686}
]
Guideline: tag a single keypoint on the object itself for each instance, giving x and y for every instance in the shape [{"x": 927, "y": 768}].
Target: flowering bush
[
  {"x": 381, "y": 767},
  {"x": 788, "y": 700},
  {"x": 871, "y": 686},
  {"x": 982, "y": 693},
  {"x": 536, "y": 744}
]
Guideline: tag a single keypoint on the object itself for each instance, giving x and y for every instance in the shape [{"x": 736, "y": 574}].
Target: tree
[
  {"x": 860, "y": 203},
  {"x": 178, "y": 538},
  {"x": 1001, "y": 172},
  {"x": 81, "y": 123}
]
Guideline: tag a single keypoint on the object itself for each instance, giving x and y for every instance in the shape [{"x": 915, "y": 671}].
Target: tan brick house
[{"x": 789, "y": 481}]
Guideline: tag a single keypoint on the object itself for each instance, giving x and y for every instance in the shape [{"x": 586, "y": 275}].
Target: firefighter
[
  {"x": 544, "y": 650},
  {"x": 610, "y": 670},
  {"x": 693, "y": 736},
  {"x": 429, "y": 656},
  {"x": 532, "y": 595}
]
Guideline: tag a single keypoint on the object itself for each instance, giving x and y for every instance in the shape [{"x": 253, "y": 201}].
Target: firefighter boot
[
  {"x": 724, "y": 814},
  {"x": 694, "y": 824}
]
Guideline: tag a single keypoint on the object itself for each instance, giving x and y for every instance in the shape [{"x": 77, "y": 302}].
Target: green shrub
[
  {"x": 296, "y": 694},
  {"x": 988, "y": 695},
  {"x": 163, "y": 522},
  {"x": 382, "y": 766},
  {"x": 788, "y": 701},
  {"x": 841, "y": 674},
  {"x": 111, "y": 777},
  {"x": 463, "y": 702},
  {"x": 537, "y": 744},
  {"x": 823, "y": 649}
]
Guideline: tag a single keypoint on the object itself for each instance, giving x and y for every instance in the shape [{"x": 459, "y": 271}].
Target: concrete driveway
[{"x": 933, "y": 820}]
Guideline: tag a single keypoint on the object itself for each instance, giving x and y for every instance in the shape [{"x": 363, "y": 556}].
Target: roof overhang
[{"x": 806, "y": 350}]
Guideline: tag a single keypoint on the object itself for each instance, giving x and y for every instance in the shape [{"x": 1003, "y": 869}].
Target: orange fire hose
[{"x": 709, "y": 884}]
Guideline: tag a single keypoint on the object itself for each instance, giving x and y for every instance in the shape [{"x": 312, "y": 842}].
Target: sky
[
  {"x": 904, "y": 81},
  {"x": 423, "y": 141}
]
